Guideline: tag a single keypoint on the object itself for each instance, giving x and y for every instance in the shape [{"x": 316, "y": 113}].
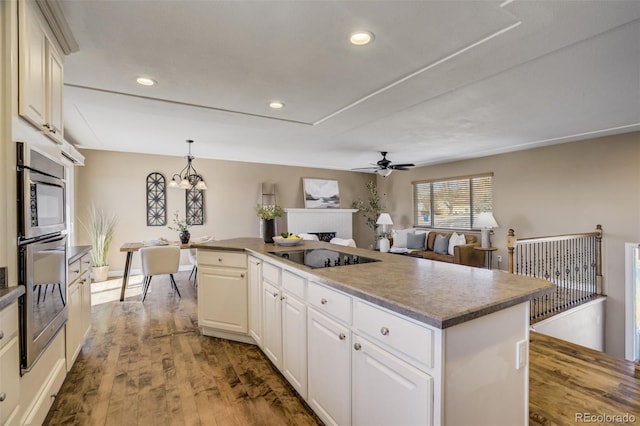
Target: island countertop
[{"x": 436, "y": 293}]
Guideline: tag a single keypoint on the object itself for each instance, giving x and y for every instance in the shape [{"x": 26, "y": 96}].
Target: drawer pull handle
[
  {"x": 241, "y": 275},
  {"x": 283, "y": 297},
  {"x": 341, "y": 336},
  {"x": 357, "y": 346},
  {"x": 275, "y": 295},
  {"x": 384, "y": 331},
  {"x": 75, "y": 271},
  {"x": 1, "y": 334},
  {"x": 323, "y": 301},
  {"x": 219, "y": 259},
  {"x": 3, "y": 396}
]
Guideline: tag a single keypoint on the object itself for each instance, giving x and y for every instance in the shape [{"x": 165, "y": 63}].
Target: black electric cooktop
[{"x": 322, "y": 258}]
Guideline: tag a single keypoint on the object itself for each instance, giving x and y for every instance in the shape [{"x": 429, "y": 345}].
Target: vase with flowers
[
  {"x": 182, "y": 227},
  {"x": 268, "y": 213}
]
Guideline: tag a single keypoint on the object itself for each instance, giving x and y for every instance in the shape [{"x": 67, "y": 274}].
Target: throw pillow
[
  {"x": 416, "y": 241},
  {"x": 442, "y": 244},
  {"x": 400, "y": 238},
  {"x": 455, "y": 240}
]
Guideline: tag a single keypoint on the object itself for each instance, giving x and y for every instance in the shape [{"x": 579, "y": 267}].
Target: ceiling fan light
[{"x": 384, "y": 172}]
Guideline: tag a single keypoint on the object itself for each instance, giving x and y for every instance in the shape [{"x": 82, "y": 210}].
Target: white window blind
[{"x": 452, "y": 203}]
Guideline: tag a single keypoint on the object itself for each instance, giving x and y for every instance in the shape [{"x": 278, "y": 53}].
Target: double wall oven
[{"x": 42, "y": 251}]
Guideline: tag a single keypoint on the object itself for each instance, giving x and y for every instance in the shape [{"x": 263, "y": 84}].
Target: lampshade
[
  {"x": 384, "y": 172},
  {"x": 384, "y": 219},
  {"x": 486, "y": 220}
]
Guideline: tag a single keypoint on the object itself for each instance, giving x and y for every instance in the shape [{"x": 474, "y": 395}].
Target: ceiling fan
[{"x": 384, "y": 167}]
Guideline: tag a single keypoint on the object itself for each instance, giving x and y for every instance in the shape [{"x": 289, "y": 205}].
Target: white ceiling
[{"x": 443, "y": 80}]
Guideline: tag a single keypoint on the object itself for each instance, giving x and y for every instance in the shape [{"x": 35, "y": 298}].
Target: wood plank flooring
[
  {"x": 567, "y": 380},
  {"x": 147, "y": 364}
]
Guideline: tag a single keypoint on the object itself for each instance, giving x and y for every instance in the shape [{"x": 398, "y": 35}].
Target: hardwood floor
[
  {"x": 147, "y": 364},
  {"x": 568, "y": 381}
]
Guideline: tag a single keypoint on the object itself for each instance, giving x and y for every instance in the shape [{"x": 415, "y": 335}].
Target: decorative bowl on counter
[{"x": 286, "y": 241}]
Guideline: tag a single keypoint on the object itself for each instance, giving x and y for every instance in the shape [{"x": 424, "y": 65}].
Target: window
[{"x": 452, "y": 203}]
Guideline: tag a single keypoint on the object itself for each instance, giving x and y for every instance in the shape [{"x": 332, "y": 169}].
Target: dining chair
[
  {"x": 159, "y": 260},
  {"x": 193, "y": 257}
]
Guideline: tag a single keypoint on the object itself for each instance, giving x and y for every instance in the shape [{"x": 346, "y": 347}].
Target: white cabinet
[
  {"x": 79, "y": 307},
  {"x": 294, "y": 342},
  {"x": 387, "y": 390},
  {"x": 9, "y": 363},
  {"x": 40, "y": 74},
  {"x": 255, "y": 299},
  {"x": 272, "y": 323},
  {"x": 222, "y": 291},
  {"x": 329, "y": 349}
]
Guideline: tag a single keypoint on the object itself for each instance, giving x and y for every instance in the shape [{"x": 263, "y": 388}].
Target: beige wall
[
  {"x": 116, "y": 182},
  {"x": 560, "y": 189}
]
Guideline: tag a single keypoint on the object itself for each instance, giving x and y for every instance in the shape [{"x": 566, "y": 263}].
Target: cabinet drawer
[
  {"x": 74, "y": 271},
  {"x": 330, "y": 301},
  {"x": 222, "y": 258},
  {"x": 294, "y": 284},
  {"x": 85, "y": 263},
  {"x": 396, "y": 333},
  {"x": 8, "y": 323},
  {"x": 271, "y": 273}
]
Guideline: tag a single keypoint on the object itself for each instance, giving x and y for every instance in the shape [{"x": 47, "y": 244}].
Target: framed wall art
[{"x": 321, "y": 193}]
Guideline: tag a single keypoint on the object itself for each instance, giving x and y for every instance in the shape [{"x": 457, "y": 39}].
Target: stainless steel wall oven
[{"x": 42, "y": 251}]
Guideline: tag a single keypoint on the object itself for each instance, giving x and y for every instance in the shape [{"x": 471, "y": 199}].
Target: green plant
[
  {"x": 101, "y": 228},
  {"x": 179, "y": 225},
  {"x": 268, "y": 212},
  {"x": 371, "y": 208}
]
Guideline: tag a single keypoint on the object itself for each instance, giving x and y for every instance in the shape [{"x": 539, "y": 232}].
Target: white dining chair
[
  {"x": 193, "y": 257},
  {"x": 159, "y": 260}
]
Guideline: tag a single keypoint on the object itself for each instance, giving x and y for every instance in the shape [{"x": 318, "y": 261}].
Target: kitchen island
[{"x": 401, "y": 340}]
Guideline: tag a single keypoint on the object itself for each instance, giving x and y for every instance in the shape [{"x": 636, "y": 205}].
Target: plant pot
[
  {"x": 184, "y": 237},
  {"x": 100, "y": 273},
  {"x": 268, "y": 230}
]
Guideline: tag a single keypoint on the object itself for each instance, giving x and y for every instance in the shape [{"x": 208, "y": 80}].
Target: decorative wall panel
[
  {"x": 195, "y": 206},
  {"x": 156, "y": 200}
]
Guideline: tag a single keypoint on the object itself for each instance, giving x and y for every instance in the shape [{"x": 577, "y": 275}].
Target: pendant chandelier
[{"x": 188, "y": 177}]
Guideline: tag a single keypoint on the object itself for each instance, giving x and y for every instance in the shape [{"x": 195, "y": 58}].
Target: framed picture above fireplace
[{"x": 321, "y": 193}]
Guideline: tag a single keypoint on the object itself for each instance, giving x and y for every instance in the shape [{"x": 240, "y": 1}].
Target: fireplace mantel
[{"x": 339, "y": 221}]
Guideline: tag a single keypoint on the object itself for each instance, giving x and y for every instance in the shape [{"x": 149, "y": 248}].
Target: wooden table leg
[{"x": 125, "y": 277}]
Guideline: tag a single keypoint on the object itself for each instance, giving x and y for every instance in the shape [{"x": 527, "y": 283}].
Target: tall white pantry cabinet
[{"x": 355, "y": 362}]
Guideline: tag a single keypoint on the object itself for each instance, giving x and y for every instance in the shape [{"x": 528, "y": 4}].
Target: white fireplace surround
[{"x": 339, "y": 221}]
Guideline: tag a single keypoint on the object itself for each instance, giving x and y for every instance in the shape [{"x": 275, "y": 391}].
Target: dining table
[{"x": 133, "y": 247}]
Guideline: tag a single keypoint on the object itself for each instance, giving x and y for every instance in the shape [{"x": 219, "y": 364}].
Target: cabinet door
[
  {"x": 32, "y": 72},
  {"x": 54, "y": 94},
  {"x": 222, "y": 299},
  {"x": 329, "y": 369},
  {"x": 272, "y": 323},
  {"x": 9, "y": 379},
  {"x": 85, "y": 282},
  {"x": 73, "y": 328},
  {"x": 255, "y": 300},
  {"x": 387, "y": 390},
  {"x": 294, "y": 343}
]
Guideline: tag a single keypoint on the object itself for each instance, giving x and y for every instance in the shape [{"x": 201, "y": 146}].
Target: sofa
[{"x": 443, "y": 246}]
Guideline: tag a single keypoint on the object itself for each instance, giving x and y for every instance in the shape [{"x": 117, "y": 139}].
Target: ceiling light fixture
[
  {"x": 188, "y": 177},
  {"x": 145, "y": 81},
  {"x": 276, "y": 105},
  {"x": 360, "y": 38},
  {"x": 384, "y": 172}
]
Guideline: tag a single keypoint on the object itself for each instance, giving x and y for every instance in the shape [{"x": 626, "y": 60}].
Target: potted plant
[
  {"x": 370, "y": 209},
  {"x": 182, "y": 227},
  {"x": 268, "y": 213},
  {"x": 101, "y": 228}
]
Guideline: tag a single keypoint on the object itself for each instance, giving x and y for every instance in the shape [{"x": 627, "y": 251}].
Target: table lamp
[
  {"x": 486, "y": 223},
  {"x": 384, "y": 219}
]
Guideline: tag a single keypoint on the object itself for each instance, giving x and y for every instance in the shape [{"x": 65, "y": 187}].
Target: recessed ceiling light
[
  {"x": 276, "y": 105},
  {"x": 360, "y": 38},
  {"x": 145, "y": 81}
]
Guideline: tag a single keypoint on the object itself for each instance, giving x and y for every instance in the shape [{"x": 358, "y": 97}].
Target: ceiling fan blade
[
  {"x": 395, "y": 166},
  {"x": 366, "y": 168}
]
